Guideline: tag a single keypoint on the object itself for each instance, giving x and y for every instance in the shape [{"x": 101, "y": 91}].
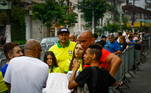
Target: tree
[
  {"x": 112, "y": 28},
  {"x": 93, "y": 10},
  {"x": 18, "y": 24},
  {"x": 15, "y": 17},
  {"x": 53, "y": 12},
  {"x": 114, "y": 10},
  {"x": 17, "y": 20},
  {"x": 115, "y": 13}
]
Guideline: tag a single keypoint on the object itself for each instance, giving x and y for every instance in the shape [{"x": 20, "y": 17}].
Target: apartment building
[
  {"x": 138, "y": 12},
  {"x": 145, "y": 4},
  {"x": 148, "y": 4}
]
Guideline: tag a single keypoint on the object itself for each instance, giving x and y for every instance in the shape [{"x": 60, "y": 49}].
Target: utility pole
[
  {"x": 28, "y": 22},
  {"x": 127, "y": 2},
  {"x": 133, "y": 14},
  {"x": 8, "y": 27},
  {"x": 93, "y": 18},
  {"x": 93, "y": 21}
]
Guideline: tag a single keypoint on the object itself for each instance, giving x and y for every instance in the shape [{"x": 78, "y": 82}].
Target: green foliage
[
  {"x": 53, "y": 12},
  {"x": 68, "y": 19},
  {"x": 3, "y": 17},
  {"x": 124, "y": 27},
  {"x": 114, "y": 11},
  {"x": 99, "y": 7},
  {"x": 20, "y": 42},
  {"x": 15, "y": 17},
  {"x": 125, "y": 20},
  {"x": 112, "y": 28},
  {"x": 17, "y": 20},
  {"x": 99, "y": 31}
]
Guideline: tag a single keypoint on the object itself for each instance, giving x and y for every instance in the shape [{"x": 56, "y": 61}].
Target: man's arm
[
  {"x": 118, "y": 52},
  {"x": 114, "y": 62},
  {"x": 72, "y": 82}
]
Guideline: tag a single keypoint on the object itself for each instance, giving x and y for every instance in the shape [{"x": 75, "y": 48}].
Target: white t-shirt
[
  {"x": 26, "y": 75},
  {"x": 57, "y": 83}
]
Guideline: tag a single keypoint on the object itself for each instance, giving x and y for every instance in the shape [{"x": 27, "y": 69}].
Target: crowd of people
[{"x": 90, "y": 63}]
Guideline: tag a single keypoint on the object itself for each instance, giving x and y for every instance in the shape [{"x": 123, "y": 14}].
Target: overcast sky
[{"x": 139, "y": 3}]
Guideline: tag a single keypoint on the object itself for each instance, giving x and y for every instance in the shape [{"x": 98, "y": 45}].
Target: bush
[
  {"x": 20, "y": 42},
  {"x": 112, "y": 27}
]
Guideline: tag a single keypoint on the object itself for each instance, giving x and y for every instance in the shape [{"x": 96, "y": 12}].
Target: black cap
[
  {"x": 62, "y": 30},
  {"x": 103, "y": 36}
]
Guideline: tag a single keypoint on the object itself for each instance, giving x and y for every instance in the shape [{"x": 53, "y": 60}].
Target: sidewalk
[{"x": 141, "y": 83}]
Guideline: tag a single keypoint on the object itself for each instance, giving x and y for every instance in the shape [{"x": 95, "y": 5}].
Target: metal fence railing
[
  {"x": 131, "y": 58},
  {"x": 2, "y": 58}
]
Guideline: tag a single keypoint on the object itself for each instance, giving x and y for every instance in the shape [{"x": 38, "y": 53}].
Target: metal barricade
[
  {"x": 149, "y": 42},
  {"x": 131, "y": 58},
  {"x": 2, "y": 59},
  {"x": 127, "y": 63}
]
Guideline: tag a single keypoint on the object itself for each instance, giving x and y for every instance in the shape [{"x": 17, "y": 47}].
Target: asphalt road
[{"x": 141, "y": 82}]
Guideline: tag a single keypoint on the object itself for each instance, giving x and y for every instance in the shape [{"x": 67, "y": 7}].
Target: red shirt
[{"x": 103, "y": 62}]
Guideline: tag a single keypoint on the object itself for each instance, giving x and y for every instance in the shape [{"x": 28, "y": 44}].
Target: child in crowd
[{"x": 50, "y": 59}]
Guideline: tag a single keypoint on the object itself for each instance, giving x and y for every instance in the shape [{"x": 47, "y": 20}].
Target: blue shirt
[
  {"x": 122, "y": 46},
  {"x": 132, "y": 43},
  {"x": 112, "y": 47},
  {"x": 4, "y": 68}
]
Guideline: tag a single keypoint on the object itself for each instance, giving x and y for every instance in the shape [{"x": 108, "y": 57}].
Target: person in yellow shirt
[
  {"x": 3, "y": 86},
  {"x": 63, "y": 50},
  {"x": 77, "y": 56},
  {"x": 50, "y": 59}
]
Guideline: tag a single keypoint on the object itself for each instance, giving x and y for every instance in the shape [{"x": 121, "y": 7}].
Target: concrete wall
[
  {"x": 39, "y": 31},
  {"x": 35, "y": 29}
]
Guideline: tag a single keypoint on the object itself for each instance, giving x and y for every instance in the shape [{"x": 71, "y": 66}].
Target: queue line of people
[
  {"x": 117, "y": 44},
  {"x": 28, "y": 74}
]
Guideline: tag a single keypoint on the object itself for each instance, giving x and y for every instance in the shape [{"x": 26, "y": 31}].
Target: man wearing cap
[{"x": 63, "y": 50}]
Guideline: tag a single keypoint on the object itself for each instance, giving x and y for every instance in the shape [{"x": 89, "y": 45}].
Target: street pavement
[{"x": 141, "y": 82}]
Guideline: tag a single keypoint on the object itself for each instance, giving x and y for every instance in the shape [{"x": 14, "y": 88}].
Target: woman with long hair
[
  {"x": 77, "y": 56},
  {"x": 50, "y": 59}
]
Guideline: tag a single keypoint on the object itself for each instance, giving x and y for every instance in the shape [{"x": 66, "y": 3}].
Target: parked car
[{"x": 46, "y": 43}]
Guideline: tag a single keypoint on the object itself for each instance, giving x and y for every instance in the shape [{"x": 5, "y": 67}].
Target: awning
[{"x": 138, "y": 24}]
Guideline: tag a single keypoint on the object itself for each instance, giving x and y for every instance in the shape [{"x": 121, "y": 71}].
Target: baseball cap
[
  {"x": 103, "y": 36},
  {"x": 61, "y": 30}
]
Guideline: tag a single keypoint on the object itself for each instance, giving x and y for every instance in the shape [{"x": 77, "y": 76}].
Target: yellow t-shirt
[
  {"x": 80, "y": 68},
  {"x": 3, "y": 86},
  {"x": 63, "y": 55}
]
